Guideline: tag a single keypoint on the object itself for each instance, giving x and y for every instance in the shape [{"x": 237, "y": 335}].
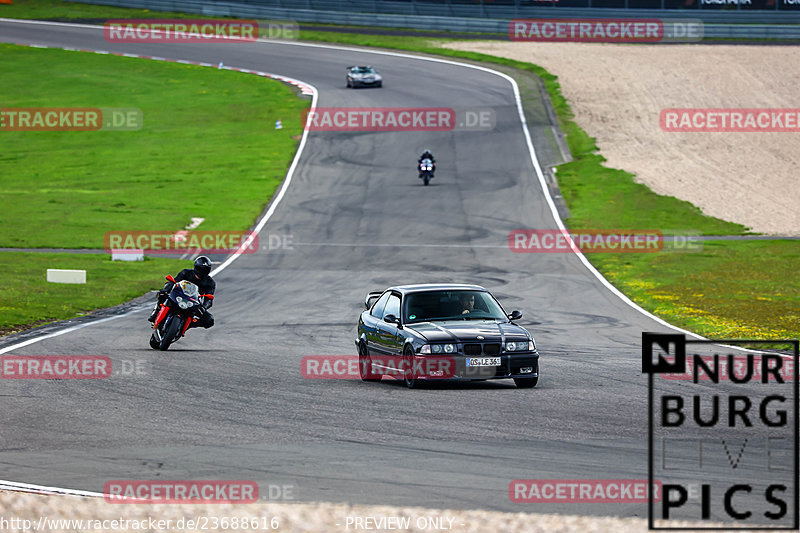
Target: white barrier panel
[
  {"x": 55, "y": 275},
  {"x": 127, "y": 255}
]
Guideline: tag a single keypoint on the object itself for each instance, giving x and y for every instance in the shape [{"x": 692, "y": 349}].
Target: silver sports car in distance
[{"x": 363, "y": 76}]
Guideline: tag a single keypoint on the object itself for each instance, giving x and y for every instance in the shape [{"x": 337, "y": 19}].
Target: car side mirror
[
  {"x": 170, "y": 278},
  {"x": 370, "y": 297},
  {"x": 515, "y": 315},
  {"x": 390, "y": 318}
]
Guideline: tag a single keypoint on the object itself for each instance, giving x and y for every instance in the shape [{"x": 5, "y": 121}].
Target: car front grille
[
  {"x": 491, "y": 349},
  {"x": 482, "y": 349},
  {"x": 472, "y": 349}
]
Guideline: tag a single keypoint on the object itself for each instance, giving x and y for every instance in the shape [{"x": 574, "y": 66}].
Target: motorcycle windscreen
[{"x": 189, "y": 289}]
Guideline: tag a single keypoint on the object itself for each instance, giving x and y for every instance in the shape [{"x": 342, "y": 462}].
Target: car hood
[{"x": 468, "y": 331}]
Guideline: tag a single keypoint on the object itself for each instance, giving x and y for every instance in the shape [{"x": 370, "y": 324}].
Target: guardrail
[{"x": 751, "y": 24}]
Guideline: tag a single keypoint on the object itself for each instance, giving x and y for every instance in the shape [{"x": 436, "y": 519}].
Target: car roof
[{"x": 425, "y": 287}]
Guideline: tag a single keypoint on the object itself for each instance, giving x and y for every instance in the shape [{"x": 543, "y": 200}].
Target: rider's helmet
[
  {"x": 202, "y": 266},
  {"x": 427, "y": 153}
]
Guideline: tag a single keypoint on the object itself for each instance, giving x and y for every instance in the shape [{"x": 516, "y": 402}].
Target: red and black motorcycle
[{"x": 184, "y": 302}]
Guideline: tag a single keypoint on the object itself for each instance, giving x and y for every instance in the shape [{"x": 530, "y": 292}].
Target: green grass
[
  {"x": 208, "y": 148},
  {"x": 603, "y": 198},
  {"x": 56, "y": 9},
  {"x": 741, "y": 289},
  {"x": 29, "y": 299}
]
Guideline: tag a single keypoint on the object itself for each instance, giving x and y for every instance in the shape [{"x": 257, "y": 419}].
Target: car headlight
[
  {"x": 511, "y": 346},
  {"x": 449, "y": 348},
  {"x": 436, "y": 348}
]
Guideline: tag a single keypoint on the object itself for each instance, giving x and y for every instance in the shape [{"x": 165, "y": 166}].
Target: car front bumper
[{"x": 517, "y": 365}]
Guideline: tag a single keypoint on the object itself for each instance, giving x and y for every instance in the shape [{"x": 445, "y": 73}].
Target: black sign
[{"x": 723, "y": 433}]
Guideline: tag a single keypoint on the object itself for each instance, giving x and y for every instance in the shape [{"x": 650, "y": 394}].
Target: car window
[
  {"x": 452, "y": 305},
  {"x": 392, "y": 306},
  {"x": 377, "y": 309}
]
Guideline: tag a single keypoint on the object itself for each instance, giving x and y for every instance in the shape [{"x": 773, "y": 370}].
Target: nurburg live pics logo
[{"x": 723, "y": 443}]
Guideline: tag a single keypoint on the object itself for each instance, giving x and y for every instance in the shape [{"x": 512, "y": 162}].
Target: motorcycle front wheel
[{"x": 170, "y": 331}]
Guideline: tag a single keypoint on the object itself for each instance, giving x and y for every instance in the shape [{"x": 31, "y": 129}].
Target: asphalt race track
[{"x": 231, "y": 403}]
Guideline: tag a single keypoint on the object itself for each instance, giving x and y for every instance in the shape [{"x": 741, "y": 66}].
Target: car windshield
[
  {"x": 364, "y": 70},
  {"x": 451, "y": 305}
]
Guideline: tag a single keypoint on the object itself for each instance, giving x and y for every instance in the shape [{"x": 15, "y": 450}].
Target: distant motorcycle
[
  {"x": 177, "y": 313},
  {"x": 426, "y": 170}
]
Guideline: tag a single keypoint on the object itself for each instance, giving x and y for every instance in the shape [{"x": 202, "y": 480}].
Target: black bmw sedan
[{"x": 443, "y": 331}]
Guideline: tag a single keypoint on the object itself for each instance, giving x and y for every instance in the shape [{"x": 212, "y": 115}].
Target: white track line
[
  {"x": 304, "y": 87},
  {"x": 65, "y": 330},
  {"x": 41, "y": 489},
  {"x": 287, "y": 181}
]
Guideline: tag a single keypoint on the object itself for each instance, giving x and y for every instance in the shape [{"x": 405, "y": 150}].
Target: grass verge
[
  {"x": 737, "y": 289},
  {"x": 201, "y": 153},
  {"x": 29, "y": 299},
  {"x": 208, "y": 148},
  {"x": 59, "y": 10}
]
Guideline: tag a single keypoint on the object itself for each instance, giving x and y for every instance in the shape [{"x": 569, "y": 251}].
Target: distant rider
[
  {"x": 427, "y": 155},
  {"x": 199, "y": 275}
]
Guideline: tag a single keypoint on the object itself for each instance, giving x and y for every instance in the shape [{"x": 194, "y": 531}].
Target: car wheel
[
  {"x": 526, "y": 383},
  {"x": 409, "y": 376},
  {"x": 365, "y": 365},
  {"x": 380, "y": 84},
  {"x": 349, "y": 85}
]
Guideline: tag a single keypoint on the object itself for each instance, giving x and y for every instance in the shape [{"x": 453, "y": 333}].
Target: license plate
[{"x": 483, "y": 361}]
